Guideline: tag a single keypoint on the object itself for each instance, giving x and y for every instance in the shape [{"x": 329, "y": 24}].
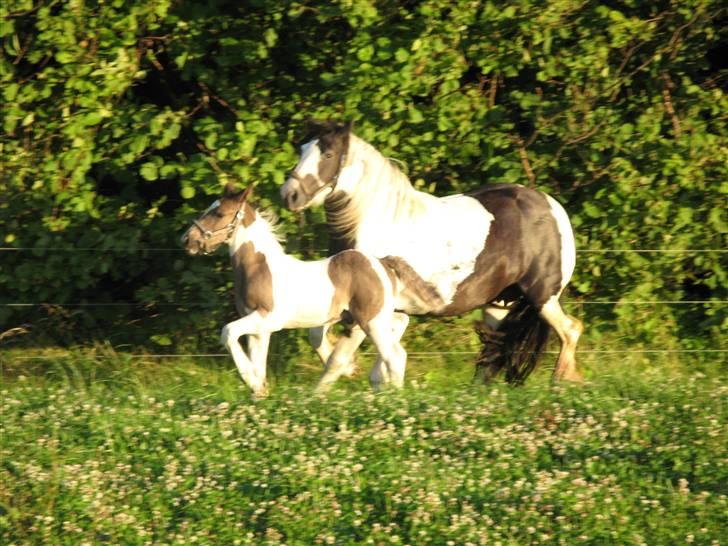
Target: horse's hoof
[{"x": 574, "y": 378}]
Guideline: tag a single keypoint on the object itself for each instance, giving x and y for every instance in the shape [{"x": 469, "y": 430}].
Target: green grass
[{"x": 103, "y": 448}]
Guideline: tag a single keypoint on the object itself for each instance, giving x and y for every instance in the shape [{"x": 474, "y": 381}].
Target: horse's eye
[{"x": 328, "y": 155}]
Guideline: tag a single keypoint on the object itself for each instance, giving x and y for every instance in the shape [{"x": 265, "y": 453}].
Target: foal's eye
[{"x": 328, "y": 155}]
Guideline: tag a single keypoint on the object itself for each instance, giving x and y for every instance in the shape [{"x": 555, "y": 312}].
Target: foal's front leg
[
  {"x": 258, "y": 351},
  {"x": 320, "y": 342},
  {"x": 249, "y": 370},
  {"x": 324, "y": 348}
]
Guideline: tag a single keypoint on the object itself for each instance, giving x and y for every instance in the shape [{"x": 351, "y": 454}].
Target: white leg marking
[
  {"x": 320, "y": 342},
  {"x": 385, "y": 331},
  {"x": 230, "y": 338},
  {"x": 339, "y": 361},
  {"x": 379, "y": 376},
  {"x": 569, "y": 329},
  {"x": 258, "y": 350}
]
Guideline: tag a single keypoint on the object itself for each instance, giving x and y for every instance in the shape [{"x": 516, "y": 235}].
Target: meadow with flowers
[{"x": 106, "y": 449}]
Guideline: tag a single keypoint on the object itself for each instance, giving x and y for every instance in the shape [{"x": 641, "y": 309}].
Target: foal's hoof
[
  {"x": 261, "y": 393},
  {"x": 350, "y": 370}
]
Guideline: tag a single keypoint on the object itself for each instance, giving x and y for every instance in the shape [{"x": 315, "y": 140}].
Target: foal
[{"x": 275, "y": 291}]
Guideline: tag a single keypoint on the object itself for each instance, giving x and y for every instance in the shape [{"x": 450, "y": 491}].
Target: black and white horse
[
  {"x": 505, "y": 248},
  {"x": 275, "y": 291}
]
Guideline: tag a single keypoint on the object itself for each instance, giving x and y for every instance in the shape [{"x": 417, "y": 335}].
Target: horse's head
[
  {"x": 218, "y": 223},
  {"x": 317, "y": 173}
]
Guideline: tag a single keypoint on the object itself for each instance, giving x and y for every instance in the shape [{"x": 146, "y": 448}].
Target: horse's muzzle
[{"x": 293, "y": 197}]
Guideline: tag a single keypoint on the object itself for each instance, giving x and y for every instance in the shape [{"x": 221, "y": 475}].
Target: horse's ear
[
  {"x": 229, "y": 189},
  {"x": 349, "y": 126}
]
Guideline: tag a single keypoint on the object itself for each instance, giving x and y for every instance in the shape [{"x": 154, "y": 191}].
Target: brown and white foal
[{"x": 275, "y": 291}]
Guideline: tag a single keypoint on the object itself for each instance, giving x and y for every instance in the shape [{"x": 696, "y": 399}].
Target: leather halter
[{"x": 207, "y": 234}]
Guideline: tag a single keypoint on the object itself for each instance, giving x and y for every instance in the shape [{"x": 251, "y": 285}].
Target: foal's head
[
  {"x": 218, "y": 223},
  {"x": 317, "y": 172}
]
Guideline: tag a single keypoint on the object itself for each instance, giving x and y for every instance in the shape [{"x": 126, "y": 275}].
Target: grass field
[{"x": 105, "y": 449}]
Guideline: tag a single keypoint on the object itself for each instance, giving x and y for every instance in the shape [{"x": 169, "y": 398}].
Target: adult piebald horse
[{"x": 505, "y": 248}]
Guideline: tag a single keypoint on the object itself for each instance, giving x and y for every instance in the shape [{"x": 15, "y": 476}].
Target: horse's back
[{"x": 532, "y": 231}]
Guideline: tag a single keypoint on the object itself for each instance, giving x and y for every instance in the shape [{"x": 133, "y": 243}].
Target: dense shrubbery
[{"x": 120, "y": 120}]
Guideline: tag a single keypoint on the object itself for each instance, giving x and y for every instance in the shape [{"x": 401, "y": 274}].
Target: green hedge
[{"x": 121, "y": 120}]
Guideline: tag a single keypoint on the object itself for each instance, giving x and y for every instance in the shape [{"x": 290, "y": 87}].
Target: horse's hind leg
[
  {"x": 489, "y": 365},
  {"x": 339, "y": 361},
  {"x": 569, "y": 329}
]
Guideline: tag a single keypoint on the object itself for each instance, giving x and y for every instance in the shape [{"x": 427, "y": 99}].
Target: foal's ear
[
  {"x": 248, "y": 191},
  {"x": 349, "y": 126}
]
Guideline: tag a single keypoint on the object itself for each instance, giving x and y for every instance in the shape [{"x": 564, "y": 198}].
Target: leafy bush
[{"x": 120, "y": 121}]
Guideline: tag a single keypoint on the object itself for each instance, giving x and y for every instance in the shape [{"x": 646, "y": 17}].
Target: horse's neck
[
  {"x": 249, "y": 247},
  {"x": 382, "y": 196}
]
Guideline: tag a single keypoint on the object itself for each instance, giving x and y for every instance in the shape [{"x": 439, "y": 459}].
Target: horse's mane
[{"x": 388, "y": 193}]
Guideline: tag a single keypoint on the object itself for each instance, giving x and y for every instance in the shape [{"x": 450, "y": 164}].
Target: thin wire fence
[
  {"x": 414, "y": 354},
  {"x": 218, "y": 304},
  {"x": 174, "y": 249}
]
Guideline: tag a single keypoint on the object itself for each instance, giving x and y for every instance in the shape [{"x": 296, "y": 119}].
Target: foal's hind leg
[
  {"x": 339, "y": 361},
  {"x": 569, "y": 329},
  {"x": 320, "y": 342},
  {"x": 385, "y": 332},
  {"x": 380, "y": 372}
]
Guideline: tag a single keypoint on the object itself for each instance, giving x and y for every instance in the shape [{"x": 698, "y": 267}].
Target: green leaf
[
  {"x": 365, "y": 53},
  {"x": 149, "y": 171},
  {"x": 92, "y": 118},
  {"x": 65, "y": 57}
]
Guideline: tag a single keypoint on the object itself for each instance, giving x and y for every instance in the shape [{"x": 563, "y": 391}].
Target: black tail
[{"x": 517, "y": 344}]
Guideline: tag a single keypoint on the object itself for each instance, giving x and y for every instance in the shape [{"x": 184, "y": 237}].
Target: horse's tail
[
  {"x": 517, "y": 344},
  {"x": 415, "y": 287}
]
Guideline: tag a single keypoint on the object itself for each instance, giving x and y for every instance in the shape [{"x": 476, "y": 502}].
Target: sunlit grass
[{"x": 106, "y": 448}]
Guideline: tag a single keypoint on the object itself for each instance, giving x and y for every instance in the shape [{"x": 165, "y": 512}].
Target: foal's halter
[
  {"x": 310, "y": 191},
  {"x": 208, "y": 235}
]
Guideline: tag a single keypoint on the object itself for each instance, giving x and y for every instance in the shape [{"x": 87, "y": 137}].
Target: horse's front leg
[
  {"x": 339, "y": 362},
  {"x": 230, "y": 338}
]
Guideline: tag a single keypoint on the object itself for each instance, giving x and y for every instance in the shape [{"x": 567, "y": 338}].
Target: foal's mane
[
  {"x": 384, "y": 191},
  {"x": 271, "y": 221}
]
